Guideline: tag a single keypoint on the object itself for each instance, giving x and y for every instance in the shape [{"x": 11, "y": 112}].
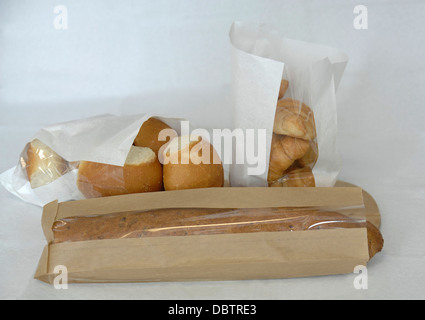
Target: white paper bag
[
  {"x": 104, "y": 138},
  {"x": 260, "y": 59}
]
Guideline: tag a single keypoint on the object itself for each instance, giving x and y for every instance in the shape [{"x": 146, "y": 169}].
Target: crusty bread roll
[
  {"x": 43, "y": 165},
  {"x": 148, "y": 134},
  {"x": 295, "y": 119},
  {"x": 284, "y": 151},
  {"x": 141, "y": 172},
  {"x": 191, "y": 162}
]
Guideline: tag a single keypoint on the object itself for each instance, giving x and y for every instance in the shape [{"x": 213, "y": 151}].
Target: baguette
[{"x": 193, "y": 221}]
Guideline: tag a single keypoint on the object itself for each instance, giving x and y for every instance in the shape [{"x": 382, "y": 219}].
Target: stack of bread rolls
[
  {"x": 294, "y": 149},
  {"x": 142, "y": 172}
]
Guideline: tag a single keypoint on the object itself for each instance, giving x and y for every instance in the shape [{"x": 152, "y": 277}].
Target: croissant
[
  {"x": 301, "y": 177},
  {"x": 284, "y": 151},
  {"x": 284, "y": 84},
  {"x": 295, "y": 119},
  {"x": 309, "y": 159}
]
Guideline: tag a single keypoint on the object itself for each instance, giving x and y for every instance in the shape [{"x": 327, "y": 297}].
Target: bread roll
[
  {"x": 148, "y": 134},
  {"x": 284, "y": 151},
  {"x": 295, "y": 119},
  {"x": 191, "y": 162},
  {"x": 43, "y": 165},
  {"x": 141, "y": 172}
]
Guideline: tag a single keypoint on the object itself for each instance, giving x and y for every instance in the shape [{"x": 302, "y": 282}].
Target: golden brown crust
[
  {"x": 181, "y": 171},
  {"x": 102, "y": 180},
  {"x": 284, "y": 151},
  {"x": 194, "y": 221},
  {"x": 295, "y": 119},
  {"x": 148, "y": 134},
  {"x": 284, "y": 84},
  {"x": 309, "y": 159},
  {"x": 279, "y": 160},
  {"x": 375, "y": 239}
]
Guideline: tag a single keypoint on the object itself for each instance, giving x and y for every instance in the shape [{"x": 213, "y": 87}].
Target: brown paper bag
[{"x": 221, "y": 234}]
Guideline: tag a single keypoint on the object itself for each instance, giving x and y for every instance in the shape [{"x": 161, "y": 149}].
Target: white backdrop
[{"x": 175, "y": 57}]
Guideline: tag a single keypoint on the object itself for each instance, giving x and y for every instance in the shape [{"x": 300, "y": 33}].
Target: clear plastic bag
[
  {"x": 208, "y": 221},
  {"x": 287, "y": 87},
  {"x": 42, "y": 165},
  {"x": 197, "y": 221},
  {"x": 294, "y": 149},
  {"x": 100, "y": 156}
]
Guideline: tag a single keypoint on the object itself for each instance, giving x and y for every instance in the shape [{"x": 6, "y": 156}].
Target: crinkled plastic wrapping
[
  {"x": 42, "y": 165},
  {"x": 287, "y": 87},
  {"x": 41, "y": 176},
  {"x": 49, "y": 165}
]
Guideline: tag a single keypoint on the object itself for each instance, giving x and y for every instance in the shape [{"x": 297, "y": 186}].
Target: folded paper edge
[
  {"x": 42, "y": 271},
  {"x": 48, "y": 217},
  {"x": 230, "y": 197}
]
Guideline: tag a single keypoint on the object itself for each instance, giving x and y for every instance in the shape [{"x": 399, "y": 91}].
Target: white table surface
[{"x": 175, "y": 57}]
